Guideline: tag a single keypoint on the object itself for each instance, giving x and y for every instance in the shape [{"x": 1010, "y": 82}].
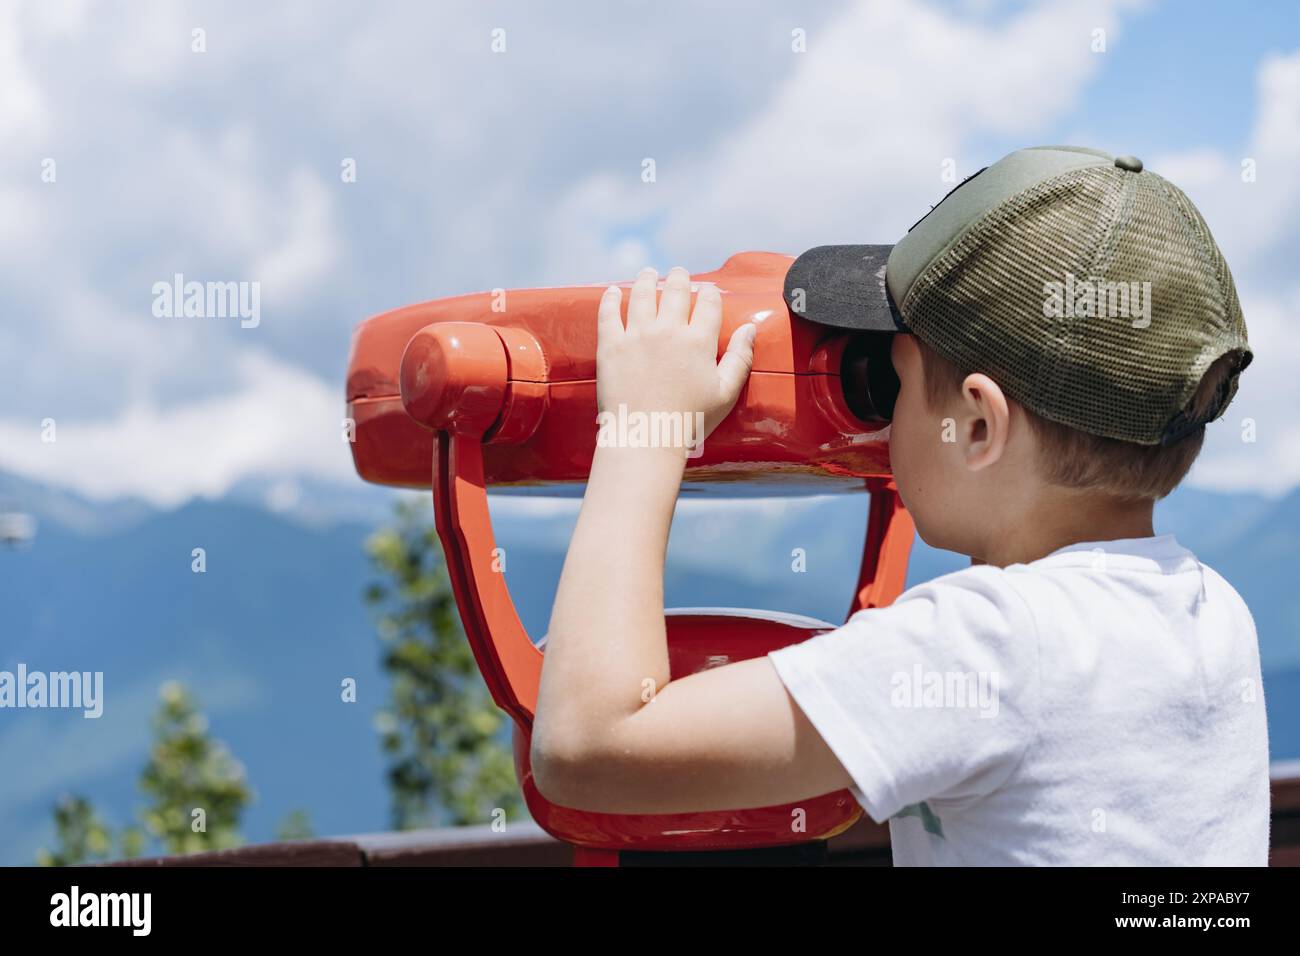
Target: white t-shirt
[{"x": 1099, "y": 706}]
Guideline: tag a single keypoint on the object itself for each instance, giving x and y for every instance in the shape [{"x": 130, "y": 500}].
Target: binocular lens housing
[{"x": 868, "y": 377}]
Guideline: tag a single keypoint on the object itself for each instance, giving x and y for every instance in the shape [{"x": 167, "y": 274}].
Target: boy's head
[
  {"x": 1073, "y": 327},
  {"x": 964, "y": 453}
]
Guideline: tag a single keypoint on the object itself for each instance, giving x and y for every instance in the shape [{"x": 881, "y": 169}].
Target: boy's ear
[{"x": 987, "y": 422}]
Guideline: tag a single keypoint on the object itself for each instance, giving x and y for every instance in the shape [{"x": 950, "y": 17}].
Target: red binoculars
[{"x": 499, "y": 389}]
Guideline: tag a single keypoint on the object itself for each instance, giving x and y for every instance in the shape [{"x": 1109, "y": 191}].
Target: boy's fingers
[
  {"x": 707, "y": 316},
  {"x": 675, "y": 303},
  {"x": 641, "y": 305},
  {"x": 609, "y": 319},
  {"x": 733, "y": 369}
]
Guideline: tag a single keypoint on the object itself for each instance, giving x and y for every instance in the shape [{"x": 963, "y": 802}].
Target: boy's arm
[{"x": 611, "y": 733}]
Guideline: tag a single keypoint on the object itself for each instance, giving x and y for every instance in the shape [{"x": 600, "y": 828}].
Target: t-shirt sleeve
[{"x": 932, "y": 697}]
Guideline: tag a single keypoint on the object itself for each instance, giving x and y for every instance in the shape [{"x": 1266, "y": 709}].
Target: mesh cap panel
[{"x": 1012, "y": 296}]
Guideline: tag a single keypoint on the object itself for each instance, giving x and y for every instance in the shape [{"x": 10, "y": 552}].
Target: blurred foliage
[
  {"x": 187, "y": 771},
  {"x": 295, "y": 826},
  {"x": 82, "y": 836},
  {"x": 197, "y": 790},
  {"x": 131, "y": 842},
  {"x": 447, "y": 743}
]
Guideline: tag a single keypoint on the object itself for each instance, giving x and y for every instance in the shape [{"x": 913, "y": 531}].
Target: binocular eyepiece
[{"x": 868, "y": 377}]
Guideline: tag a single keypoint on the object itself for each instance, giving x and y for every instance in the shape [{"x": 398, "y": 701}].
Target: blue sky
[{"x": 478, "y": 170}]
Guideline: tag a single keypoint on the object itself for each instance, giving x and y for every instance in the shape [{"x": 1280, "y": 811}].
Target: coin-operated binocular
[{"x": 499, "y": 389}]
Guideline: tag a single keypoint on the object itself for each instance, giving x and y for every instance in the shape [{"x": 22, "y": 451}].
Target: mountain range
[{"x": 276, "y": 621}]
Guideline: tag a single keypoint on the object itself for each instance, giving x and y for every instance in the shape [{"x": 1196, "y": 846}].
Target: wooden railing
[{"x": 525, "y": 844}]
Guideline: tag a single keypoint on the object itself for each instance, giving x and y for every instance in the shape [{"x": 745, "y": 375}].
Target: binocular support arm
[
  {"x": 890, "y": 531},
  {"x": 511, "y": 664}
]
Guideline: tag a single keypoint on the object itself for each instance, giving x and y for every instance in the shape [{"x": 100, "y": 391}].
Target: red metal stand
[
  {"x": 507, "y": 396},
  {"x": 511, "y": 665}
]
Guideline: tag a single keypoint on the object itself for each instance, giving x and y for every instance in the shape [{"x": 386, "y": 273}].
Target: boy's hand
[{"x": 661, "y": 362}]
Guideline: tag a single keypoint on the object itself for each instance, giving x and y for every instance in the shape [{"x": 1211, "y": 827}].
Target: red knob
[{"x": 454, "y": 377}]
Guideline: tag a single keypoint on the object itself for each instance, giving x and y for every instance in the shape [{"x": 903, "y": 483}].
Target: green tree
[
  {"x": 295, "y": 826},
  {"x": 447, "y": 743},
  {"x": 82, "y": 837},
  {"x": 196, "y": 789},
  {"x": 187, "y": 771}
]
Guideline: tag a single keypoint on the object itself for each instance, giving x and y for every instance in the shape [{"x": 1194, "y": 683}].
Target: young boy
[{"x": 1064, "y": 328}]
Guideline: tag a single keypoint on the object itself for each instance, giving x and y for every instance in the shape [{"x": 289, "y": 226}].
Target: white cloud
[
  {"x": 22, "y": 107},
  {"x": 1257, "y": 225},
  {"x": 477, "y": 171},
  {"x": 1250, "y": 216},
  {"x": 833, "y": 155},
  {"x": 276, "y": 421},
  {"x": 307, "y": 245}
]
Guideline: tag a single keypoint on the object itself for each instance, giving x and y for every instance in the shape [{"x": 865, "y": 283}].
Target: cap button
[{"x": 1131, "y": 163}]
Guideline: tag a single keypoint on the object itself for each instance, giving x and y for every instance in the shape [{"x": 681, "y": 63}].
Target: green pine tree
[
  {"x": 196, "y": 789},
  {"x": 82, "y": 835},
  {"x": 187, "y": 771},
  {"x": 295, "y": 826},
  {"x": 447, "y": 743}
]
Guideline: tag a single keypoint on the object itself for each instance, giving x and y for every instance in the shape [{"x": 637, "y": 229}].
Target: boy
[{"x": 1064, "y": 329}]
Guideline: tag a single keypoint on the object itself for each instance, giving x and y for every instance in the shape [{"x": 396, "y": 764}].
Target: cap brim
[{"x": 843, "y": 287}]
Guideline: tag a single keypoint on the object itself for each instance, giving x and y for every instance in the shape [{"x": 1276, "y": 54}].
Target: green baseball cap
[{"x": 1087, "y": 287}]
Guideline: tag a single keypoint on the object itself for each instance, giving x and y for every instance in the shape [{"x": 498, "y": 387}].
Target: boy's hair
[{"x": 1076, "y": 459}]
